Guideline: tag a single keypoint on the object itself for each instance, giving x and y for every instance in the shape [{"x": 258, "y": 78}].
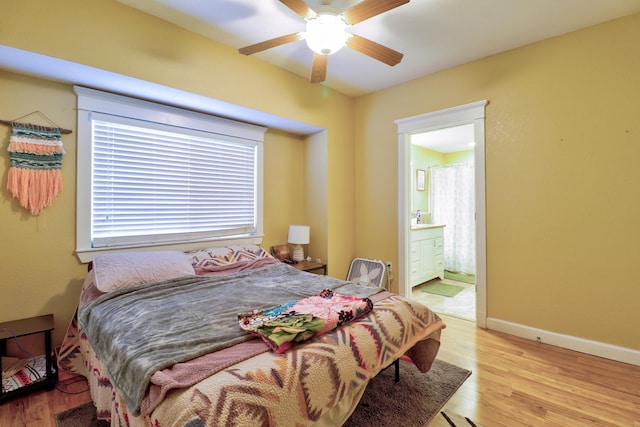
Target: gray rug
[
  {"x": 81, "y": 416},
  {"x": 413, "y": 401}
]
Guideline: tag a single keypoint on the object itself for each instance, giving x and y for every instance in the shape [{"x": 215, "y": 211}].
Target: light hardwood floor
[
  {"x": 38, "y": 409},
  {"x": 517, "y": 382},
  {"x": 514, "y": 382}
]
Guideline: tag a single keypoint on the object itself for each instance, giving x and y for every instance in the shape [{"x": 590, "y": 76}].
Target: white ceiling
[
  {"x": 446, "y": 140},
  {"x": 432, "y": 34}
]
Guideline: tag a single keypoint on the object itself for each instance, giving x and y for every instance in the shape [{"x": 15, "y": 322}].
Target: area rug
[
  {"x": 460, "y": 277},
  {"x": 444, "y": 289},
  {"x": 80, "y": 416},
  {"x": 413, "y": 401}
]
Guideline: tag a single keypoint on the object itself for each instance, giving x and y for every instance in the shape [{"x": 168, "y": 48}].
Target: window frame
[{"x": 90, "y": 101}]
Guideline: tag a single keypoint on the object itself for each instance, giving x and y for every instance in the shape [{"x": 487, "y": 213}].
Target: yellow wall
[
  {"x": 562, "y": 188},
  {"x": 422, "y": 158},
  {"x": 284, "y": 167},
  {"x": 40, "y": 273},
  {"x": 562, "y": 144}
]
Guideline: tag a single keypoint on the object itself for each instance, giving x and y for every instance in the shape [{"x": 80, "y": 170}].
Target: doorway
[
  {"x": 447, "y": 198},
  {"x": 469, "y": 114}
]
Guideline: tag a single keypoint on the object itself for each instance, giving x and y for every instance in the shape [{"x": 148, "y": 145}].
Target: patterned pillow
[{"x": 226, "y": 255}]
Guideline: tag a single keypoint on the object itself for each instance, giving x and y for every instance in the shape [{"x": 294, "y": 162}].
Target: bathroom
[{"x": 442, "y": 194}]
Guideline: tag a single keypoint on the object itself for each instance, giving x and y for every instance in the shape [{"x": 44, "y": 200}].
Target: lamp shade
[{"x": 298, "y": 235}]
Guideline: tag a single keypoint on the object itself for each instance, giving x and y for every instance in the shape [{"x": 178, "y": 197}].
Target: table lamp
[{"x": 298, "y": 235}]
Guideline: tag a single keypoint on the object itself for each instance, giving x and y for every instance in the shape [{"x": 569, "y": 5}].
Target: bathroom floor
[{"x": 463, "y": 305}]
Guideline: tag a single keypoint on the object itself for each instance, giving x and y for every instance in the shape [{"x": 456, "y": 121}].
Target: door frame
[{"x": 473, "y": 113}]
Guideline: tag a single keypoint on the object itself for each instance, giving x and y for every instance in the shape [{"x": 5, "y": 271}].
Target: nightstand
[
  {"x": 310, "y": 266},
  {"x": 20, "y": 328}
]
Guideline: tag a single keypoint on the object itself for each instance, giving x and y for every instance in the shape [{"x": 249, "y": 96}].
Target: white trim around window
[{"x": 95, "y": 105}]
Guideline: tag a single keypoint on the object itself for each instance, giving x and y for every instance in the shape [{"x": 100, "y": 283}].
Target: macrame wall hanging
[{"x": 35, "y": 173}]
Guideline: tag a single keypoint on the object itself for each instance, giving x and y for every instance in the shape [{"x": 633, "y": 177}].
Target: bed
[{"x": 159, "y": 338}]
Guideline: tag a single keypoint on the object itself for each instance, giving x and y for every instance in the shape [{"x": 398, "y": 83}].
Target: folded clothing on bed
[{"x": 283, "y": 325}]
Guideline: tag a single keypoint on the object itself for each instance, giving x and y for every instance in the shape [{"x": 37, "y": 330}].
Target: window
[{"x": 152, "y": 175}]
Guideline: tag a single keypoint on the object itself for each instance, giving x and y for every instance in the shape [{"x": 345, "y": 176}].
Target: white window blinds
[
  {"x": 153, "y": 175},
  {"x": 153, "y": 186}
]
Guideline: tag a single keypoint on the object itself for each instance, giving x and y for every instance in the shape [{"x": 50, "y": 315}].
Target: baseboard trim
[{"x": 595, "y": 348}]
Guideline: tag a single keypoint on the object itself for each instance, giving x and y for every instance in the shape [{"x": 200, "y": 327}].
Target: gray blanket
[{"x": 142, "y": 329}]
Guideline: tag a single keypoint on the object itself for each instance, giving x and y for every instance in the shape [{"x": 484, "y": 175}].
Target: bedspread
[
  {"x": 298, "y": 387},
  {"x": 184, "y": 318},
  {"x": 307, "y": 385}
]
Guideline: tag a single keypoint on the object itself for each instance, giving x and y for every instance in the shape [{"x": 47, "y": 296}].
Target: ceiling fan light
[{"x": 326, "y": 33}]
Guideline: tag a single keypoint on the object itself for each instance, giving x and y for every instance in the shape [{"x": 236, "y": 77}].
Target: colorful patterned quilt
[
  {"x": 303, "y": 386},
  {"x": 284, "y": 325}
]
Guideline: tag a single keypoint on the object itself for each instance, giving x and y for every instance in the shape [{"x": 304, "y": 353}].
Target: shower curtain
[{"x": 453, "y": 204}]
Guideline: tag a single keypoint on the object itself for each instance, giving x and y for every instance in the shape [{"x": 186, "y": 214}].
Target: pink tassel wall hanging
[{"x": 35, "y": 175}]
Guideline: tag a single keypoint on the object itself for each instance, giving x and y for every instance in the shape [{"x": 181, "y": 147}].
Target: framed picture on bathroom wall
[{"x": 420, "y": 179}]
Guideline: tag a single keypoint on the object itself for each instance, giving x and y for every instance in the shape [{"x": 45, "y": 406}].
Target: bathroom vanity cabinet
[{"x": 426, "y": 253}]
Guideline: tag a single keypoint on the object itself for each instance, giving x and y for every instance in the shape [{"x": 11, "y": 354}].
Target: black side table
[{"x": 20, "y": 328}]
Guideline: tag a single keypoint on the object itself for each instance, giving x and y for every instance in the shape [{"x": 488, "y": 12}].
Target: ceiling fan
[{"x": 326, "y": 33}]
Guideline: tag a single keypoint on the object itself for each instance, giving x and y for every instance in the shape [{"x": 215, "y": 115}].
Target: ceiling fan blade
[
  {"x": 318, "y": 68},
  {"x": 375, "y": 50},
  {"x": 268, "y": 44},
  {"x": 299, "y": 7},
  {"x": 370, "y": 8}
]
